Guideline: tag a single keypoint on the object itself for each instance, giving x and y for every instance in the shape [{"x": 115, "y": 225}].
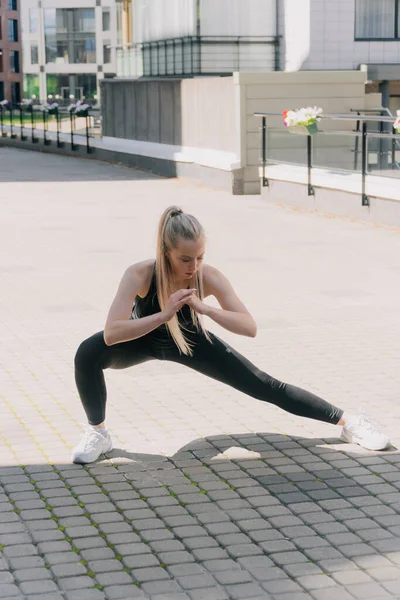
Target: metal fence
[
  {"x": 199, "y": 55},
  {"x": 44, "y": 125},
  {"x": 367, "y": 150}
]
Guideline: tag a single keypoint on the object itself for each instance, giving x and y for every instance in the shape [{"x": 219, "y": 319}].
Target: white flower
[
  {"x": 303, "y": 116},
  {"x": 396, "y": 124}
]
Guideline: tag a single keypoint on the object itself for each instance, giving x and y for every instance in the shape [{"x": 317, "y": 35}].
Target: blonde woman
[{"x": 167, "y": 296}]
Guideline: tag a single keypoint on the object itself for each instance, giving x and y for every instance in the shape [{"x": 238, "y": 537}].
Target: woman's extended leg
[
  {"x": 221, "y": 362},
  {"x": 92, "y": 357}
]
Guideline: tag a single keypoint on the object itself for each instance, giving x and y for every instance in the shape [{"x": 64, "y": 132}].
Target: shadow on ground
[
  {"x": 16, "y": 165},
  {"x": 239, "y": 516}
]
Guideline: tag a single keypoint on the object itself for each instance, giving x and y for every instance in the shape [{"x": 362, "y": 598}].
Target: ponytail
[{"x": 175, "y": 225}]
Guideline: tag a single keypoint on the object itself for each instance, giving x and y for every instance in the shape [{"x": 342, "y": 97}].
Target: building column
[{"x": 385, "y": 145}]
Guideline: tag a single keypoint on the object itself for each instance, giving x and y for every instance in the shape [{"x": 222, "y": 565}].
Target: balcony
[{"x": 196, "y": 55}]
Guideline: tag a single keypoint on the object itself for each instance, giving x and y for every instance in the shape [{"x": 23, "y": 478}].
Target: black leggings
[{"x": 217, "y": 360}]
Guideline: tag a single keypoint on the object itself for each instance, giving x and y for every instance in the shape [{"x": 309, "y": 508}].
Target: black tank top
[{"x": 149, "y": 305}]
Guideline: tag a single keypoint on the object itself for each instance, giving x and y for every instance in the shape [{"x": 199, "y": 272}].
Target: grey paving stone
[
  {"x": 216, "y": 565},
  {"x": 160, "y": 588},
  {"x": 105, "y": 566},
  {"x": 216, "y": 553},
  {"x": 114, "y": 578},
  {"x": 32, "y": 574},
  {"x": 81, "y": 532},
  {"x": 243, "y": 591},
  {"x": 240, "y": 550},
  {"x": 332, "y": 594},
  {"x": 60, "y": 558},
  {"x": 84, "y": 595},
  {"x": 351, "y": 577},
  {"x": 75, "y": 583},
  {"x": 68, "y": 570},
  {"x": 8, "y": 590},
  {"x": 90, "y": 542},
  {"x": 49, "y": 547},
  {"x": 353, "y": 550},
  {"x": 216, "y": 593},
  {"x": 285, "y": 558},
  {"x": 140, "y": 560},
  {"x": 166, "y": 546},
  {"x": 281, "y": 586},
  {"x": 123, "y": 592},
  {"x": 277, "y": 546},
  {"x": 195, "y": 543},
  {"x": 20, "y": 550},
  {"x": 185, "y": 569},
  {"x": 190, "y": 582},
  {"x": 368, "y": 591},
  {"x": 234, "y": 576},
  {"x": 150, "y": 574},
  {"x": 313, "y": 582},
  {"x": 38, "y": 587},
  {"x": 333, "y": 565},
  {"x": 26, "y": 562},
  {"x": 302, "y": 569}
]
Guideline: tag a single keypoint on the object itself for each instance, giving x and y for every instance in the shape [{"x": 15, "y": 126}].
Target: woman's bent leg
[{"x": 92, "y": 357}]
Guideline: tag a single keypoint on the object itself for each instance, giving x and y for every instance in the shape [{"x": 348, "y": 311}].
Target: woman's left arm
[{"x": 233, "y": 315}]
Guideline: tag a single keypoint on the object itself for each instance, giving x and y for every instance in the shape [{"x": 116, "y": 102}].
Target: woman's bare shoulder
[
  {"x": 211, "y": 278},
  {"x": 141, "y": 272}
]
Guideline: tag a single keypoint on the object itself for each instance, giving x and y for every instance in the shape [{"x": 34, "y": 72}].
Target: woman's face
[{"x": 186, "y": 258}]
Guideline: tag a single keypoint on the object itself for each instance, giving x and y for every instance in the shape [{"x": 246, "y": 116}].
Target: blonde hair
[{"x": 174, "y": 226}]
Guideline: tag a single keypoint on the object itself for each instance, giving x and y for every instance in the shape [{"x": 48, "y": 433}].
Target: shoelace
[
  {"x": 90, "y": 438},
  {"x": 366, "y": 423}
]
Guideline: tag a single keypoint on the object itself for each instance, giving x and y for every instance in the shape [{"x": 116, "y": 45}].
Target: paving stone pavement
[{"x": 208, "y": 494}]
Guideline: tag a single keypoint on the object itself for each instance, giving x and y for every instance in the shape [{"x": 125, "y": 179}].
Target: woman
[{"x": 167, "y": 296}]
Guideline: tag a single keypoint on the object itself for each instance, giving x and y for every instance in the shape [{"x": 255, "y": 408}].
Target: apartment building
[
  {"x": 10, "y": 51},
  {"x": 68, "y": 48}
]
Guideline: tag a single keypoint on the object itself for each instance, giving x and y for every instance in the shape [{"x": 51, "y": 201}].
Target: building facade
[
  {"x": 68, "y": 48},
  {"x": 197, "y": 37},
  {"x": 10, "y": 51}
]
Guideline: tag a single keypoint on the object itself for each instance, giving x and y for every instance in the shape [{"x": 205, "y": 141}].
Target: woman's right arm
[{"x": 119, "y": 327}]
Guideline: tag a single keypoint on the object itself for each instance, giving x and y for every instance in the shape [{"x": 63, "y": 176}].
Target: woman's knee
[{"x": 89, "y": 351}]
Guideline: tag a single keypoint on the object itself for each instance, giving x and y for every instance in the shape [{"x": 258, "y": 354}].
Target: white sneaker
[
  {"x": 91, "y": 446},
  {"x": 360, "y": 430}
]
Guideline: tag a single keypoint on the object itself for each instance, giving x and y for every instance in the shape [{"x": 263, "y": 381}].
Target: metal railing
[
  {"x": 386, "y": 151},
  {"x": 47, "y": 125},
  {"x": 199, "y": 55}
]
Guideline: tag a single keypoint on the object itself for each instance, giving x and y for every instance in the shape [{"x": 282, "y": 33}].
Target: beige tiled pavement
[{"x": 208, "y": 494}]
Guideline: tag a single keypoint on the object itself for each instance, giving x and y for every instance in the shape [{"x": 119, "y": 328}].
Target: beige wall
[
  {"x": 333, "y": 91},
  {"x": 209, "y": 118}
]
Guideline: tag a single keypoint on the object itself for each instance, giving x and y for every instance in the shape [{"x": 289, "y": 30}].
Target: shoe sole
[
  {"x": 349, "y": 439},
  {"x": 77, "y": 460}
]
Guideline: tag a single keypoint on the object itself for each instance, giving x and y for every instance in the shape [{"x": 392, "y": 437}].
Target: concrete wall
[
  {"x": 319, "y": 34},
  {"x": 334, "y": 91},
  {"x": 196, "y": 113},
  {"x": 149, "y": 111},
  {"x": 209, "y": 122}
]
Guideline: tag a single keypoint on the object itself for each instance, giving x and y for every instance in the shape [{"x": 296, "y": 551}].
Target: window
[
  {"x": 106, "y": 20},
  {"x": 33, "y": 20},
  {"x": 1, "y": 91},
  {"x": 1, "y": 61},
  {"x": 70, "y": 35},
  {"x": 377, "y": 19},
  {"x": 106, "y": 53},
  {"x": 13, "y": 30},
  {"x": 14, "y": 61},
  {"x": 31, "y": 86},
  {"x": 34, "y": 54},
  {"x": 12, "y": 5},
  {"x": 16, "y": 92}
]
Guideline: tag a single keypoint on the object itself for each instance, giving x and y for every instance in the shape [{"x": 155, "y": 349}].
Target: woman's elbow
[
  {"x": 108, "y": 338},
  {"x": 252, "y": 332}
]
